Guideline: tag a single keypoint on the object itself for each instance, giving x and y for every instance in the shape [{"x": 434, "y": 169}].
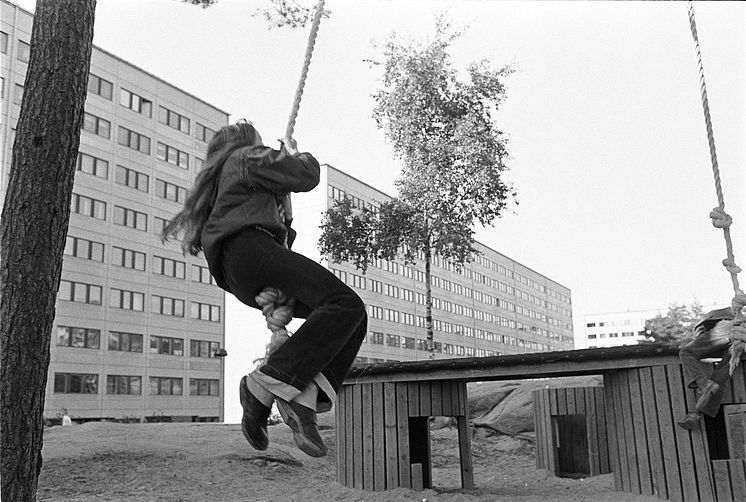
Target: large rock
[{"x": 513, "y": 412}]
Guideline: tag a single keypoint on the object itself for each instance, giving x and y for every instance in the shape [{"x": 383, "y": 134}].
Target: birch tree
[{"x": 442, "y": 129}]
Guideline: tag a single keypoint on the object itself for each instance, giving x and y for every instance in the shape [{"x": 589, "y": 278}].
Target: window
[
  {"x": 3, "y": 42},
  {"x": 376, "y": 286},
  {"x": 204, "y": 133},
  {"x": 127, "y": 258},
  {"x": 2, "y": 88},
  {"x": 131, "y": 139},
  {"x": 124, "y": 384},
  {"x": 376, "y": 338},
  {"x": 202, "y": 274},
  {"x": 202, "y": 348},
  {"x": 170, "y": 191},
  {"x": 130, "y": 218},
  {"x": 375, "y": 312},
  {"x": 169, "y": 267},
  {"x": 79, "y": 292},
  {"x": 92, "y": 165},
  {"x": 165, "y": 386},
  {"x": 408, "y": 343},
  {"x": 134, "y": 102},
  {"x": 392, "y": 290},
  {"x": 198, "y": 164},
  {"x": 83, "y": 248},
  {"x": 88, "y": 206},
  {"x": 96, "y": 125},
  {"x": 131, "y": 178},
  {"x": 172, "y": 155},
  {"x": 24, "y": 51},
  {"x": 127, "y": 300},
  {"x": 392, "y": 315},
  {"x": 357, "y": 281},
  {"x": 167, "y": 306},
  {"x": 80, "y": 338},
  {"x": 166, "y": 345},
  {"x": 590, "y": 325},
  {"x": 204, "y": 387},
  {"x": 18, "y": 94},
  {"x": 98, "y": 85},
  {"x": 205, "y": 312},
  {"x": 393, "y": 340},
  {"x": 591, "y": 337},
  {"x": 75, "y": 383},
  {"x": 173, "y": 119},
  {"x": 125, "y": 342},
  {"x": 159, "y": 224}
]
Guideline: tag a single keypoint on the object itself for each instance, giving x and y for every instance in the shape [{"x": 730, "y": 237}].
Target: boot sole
[
  {"x": 244, "y": 395},
  {"x": 304, "y": 444}
]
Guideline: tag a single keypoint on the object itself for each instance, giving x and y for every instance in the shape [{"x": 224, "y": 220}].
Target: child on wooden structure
[
  {"x": 237, "y": 213},
  {"x": 713, "y": 336}
]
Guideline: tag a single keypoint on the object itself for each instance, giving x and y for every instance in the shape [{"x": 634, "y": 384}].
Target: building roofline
[
  {"x": 118, "y": 58},
  {"x": 196, "y": 98},
  {"x": 477, "y": 242}
]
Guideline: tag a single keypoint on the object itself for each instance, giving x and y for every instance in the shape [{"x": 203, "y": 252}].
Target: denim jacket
[{"x": 253, "y": 182}]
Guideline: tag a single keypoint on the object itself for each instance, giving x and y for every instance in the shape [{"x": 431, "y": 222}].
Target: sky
[{"x": 608, "y": 148}]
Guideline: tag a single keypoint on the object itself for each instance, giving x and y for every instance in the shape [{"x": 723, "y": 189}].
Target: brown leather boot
[
  {"x": 302, "y": 420},
  {"x": 690, "y": 421},
  {"x": 254, "y": 420}
]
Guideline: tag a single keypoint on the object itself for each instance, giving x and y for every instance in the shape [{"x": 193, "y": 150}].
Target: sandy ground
[{"x": 212, "y": 462}]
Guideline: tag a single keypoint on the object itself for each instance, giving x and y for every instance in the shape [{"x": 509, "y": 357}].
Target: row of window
[
  {"x": 87, "y": 383},
  {"x": 446, "y": 305},
  {"x": 444, "y": 284},
  {"x": 611, "y": 335},
  {"x": 391, "y": 315},
  {"x": 411, "y": 343},
  {"x": 144, "y": 106},
  {"x": 132, "y": 178},
  {"x": 89, "y": 338},
  {"x": 80, "y": 292}
]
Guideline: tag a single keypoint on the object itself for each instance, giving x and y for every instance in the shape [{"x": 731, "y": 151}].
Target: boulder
[{"x": 512, "y": 410}]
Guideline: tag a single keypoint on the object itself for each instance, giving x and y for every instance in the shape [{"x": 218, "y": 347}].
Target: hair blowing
[{"x": 198, "y": 204}]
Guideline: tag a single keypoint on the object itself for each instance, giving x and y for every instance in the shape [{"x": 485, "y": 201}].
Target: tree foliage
[
  {"x": 281, "y": 12},
  {"x": 675, "y": 326},
  {"x": 443, "y": 130}
]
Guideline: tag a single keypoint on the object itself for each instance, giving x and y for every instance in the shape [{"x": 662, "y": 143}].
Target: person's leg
[
  {"x": 324, "y": 347},
  {"x": 700, "y": 376}
]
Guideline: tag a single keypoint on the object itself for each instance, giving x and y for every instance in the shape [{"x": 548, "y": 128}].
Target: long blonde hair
[{"x": 198, "y": 204}]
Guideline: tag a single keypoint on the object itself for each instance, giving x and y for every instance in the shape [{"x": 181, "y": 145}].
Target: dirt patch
[{"x": 98, "y": 462}]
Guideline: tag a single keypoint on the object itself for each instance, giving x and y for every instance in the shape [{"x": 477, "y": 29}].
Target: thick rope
[
  {"x": 720, "y": 219},
  {"x": 276, "y": 306},
  {"x": 304, "y": 72}
]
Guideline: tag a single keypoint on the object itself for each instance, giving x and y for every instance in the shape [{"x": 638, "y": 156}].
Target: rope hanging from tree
[
  {"x": 720, "y": 219},
  {"x": 277, "y": 308}
]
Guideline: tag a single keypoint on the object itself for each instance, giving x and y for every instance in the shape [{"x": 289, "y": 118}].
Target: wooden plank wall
[
  {"x": 650, "y": 454},
  {"x": 588, "y": 401},
  {"x": 376, "y": 450}
]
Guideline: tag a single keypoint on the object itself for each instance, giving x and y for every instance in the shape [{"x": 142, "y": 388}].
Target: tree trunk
[
  {"x": 429, "y": 300},
  {"x": 34, "y": 226}
]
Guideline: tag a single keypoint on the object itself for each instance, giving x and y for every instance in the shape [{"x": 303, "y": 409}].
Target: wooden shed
[
  {"x": 383, "y": 409},
  {"x": 570, "y": 425}
]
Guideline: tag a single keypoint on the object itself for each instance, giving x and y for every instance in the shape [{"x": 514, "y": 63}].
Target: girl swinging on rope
[{"x": 238, "y": 214}]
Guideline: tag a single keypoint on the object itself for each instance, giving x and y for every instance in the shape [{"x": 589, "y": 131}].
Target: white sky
[{"x": 608, "y": 148}]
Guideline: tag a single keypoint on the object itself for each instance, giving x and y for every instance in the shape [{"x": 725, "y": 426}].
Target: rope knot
[
  {"x": 730, "y": 266},
  {"x": 720, "y": 219},
  {"x": 277, "y": 309}
]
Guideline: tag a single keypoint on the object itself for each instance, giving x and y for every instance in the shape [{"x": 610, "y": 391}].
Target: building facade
[
  {"x": 491, "y": 306},
  {"x": 616, "y": 328},
  {"x": 137, "y": 324}
]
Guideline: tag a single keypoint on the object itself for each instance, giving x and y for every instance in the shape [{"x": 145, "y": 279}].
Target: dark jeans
[
  {"x": 696, "y": 373},
  {"x": 336, "y": 320}
]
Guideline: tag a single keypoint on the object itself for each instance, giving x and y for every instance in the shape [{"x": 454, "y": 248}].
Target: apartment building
[
  {"x": 139, "y": 328},
  {"x": 491, "y": 306}
]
